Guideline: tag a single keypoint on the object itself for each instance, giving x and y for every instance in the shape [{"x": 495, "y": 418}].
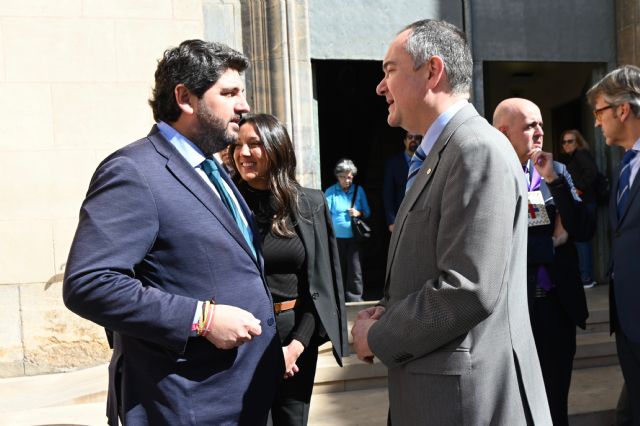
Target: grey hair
[
  {"x": 620, "y": 86},
  {"x": 430, "y": 38},
  {"x": 344, "y": 165}
]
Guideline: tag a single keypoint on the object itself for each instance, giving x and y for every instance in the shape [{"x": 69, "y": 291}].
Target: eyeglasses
[
  {"x": 415, "y": 138},
  {"x": 597, "y": 113},
  {"x": 252, "y": 145},
  {"x": 568, "y": 141}
]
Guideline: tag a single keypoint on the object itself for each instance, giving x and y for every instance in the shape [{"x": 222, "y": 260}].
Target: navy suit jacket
[
  {"x": 625, "y": 240},
  {"x": 153, "y": 239},
  {"x": 562, "y": 261},
  {"x": 395, "y": 180}
]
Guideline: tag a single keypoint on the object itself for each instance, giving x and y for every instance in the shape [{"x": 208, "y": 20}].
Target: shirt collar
[
  {"x": 185, "y": 147},
  {"x": 434, "y": 132}
]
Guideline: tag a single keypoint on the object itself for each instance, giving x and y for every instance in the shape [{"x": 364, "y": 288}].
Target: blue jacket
[{"x": 339, "y": 202}]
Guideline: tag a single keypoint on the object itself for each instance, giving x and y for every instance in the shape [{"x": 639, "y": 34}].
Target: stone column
[{"x": 276, "y": 39}]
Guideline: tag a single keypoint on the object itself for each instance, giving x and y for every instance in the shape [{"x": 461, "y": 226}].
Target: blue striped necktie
[
  {"x": 211, "y": 169},
  {"x": 623, "y": 182},
  {"x": 414, "y": 166}
]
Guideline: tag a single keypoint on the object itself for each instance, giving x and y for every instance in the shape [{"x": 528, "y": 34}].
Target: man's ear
[
  {"x": 435, "y": 70},
  {"x": 503, "y": 130},
  {"x": 625, "y": 111},
  {"x": 184, "y": 98}
]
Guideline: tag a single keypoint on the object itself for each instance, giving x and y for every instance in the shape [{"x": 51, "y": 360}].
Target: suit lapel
[
  {"x": 189, "y": 178},
  {"x": 307, "y": 232},
  {"x": 425, "y": 174},
  {"x": 633, "y": 192}
]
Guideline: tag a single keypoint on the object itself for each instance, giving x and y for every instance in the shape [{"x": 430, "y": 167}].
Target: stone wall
[
  {"x": 74, "y": 79},
  {"x": 628, "y": 31}
]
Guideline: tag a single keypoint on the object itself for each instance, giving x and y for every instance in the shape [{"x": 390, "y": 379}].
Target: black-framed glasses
[
  {"x": 597, "y": 113},
  {"x": 568, "y": 141}
]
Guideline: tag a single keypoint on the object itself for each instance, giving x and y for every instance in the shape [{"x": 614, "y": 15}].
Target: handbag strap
[{"x": 355, "y": 194}]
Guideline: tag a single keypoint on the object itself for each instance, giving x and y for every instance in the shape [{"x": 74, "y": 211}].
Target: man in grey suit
[
  {"x": 453, "y": 326},
  {"x": 616, "y": 105}
]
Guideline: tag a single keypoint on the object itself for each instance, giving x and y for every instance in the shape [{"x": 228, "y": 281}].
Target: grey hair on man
[
  {"x": 344, "y": 165},
  {"x": 430, "y": 38},
  {"x": 620, "y": 86}
]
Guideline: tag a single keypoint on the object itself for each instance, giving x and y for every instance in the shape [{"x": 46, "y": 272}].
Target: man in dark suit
[
  {"x": 396, "y": 169},
  {"x": 616, "y": 105},
  {"x": 557, "y": 302},
  {"x": 164, "y": 258}
]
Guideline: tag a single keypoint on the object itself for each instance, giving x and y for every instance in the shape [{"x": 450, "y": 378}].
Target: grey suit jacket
[{"x": 456, "y": 335}]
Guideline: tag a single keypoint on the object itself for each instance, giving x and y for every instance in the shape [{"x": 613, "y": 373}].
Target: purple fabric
[
  {"x": 544, "y": 280},
  {"x": 533, "y": 180},
  {"x": 533, "y": 184}
]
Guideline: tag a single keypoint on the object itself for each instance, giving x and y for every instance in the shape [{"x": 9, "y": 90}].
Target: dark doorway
[{"x": 352, "y": 123}]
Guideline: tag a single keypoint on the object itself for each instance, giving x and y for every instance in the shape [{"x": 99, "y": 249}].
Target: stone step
[
  {"x": 592, "y": 400},
  {"x": 595, "y": 350}
]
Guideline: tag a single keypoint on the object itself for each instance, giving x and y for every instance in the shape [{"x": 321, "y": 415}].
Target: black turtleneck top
[{"x": 284, "y": 263}]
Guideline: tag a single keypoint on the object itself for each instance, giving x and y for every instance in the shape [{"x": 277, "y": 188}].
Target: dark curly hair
[{"x": 195, "y": 63}]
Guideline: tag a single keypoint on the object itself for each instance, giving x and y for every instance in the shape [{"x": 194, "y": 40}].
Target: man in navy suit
[
  {"x": 396, "y": 169},
  {"x": 164, "y": 258},
  {"x": 616, "y": 105}
]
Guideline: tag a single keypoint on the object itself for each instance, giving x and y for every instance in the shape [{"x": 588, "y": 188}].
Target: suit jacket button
[
  {"x": 270, "y": 321},
  {"x": 315, "y": 295}
]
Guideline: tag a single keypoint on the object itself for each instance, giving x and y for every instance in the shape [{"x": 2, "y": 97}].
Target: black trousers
[
  {"x": 291, "y": 406},
  {"x": 350, "y": 253},
  {"x": 629, "y": 357},
  {"x": 555, "y": 336}
]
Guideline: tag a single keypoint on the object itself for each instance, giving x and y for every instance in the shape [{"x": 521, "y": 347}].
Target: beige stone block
[
  {"x": 101, "y": 116},
  {"x": 57, "y": 49},
  {"x": 2, "y": 77},
  {"x": 63, "y": 232},
  {"x": 187, "y": 9},
  {"x": 26, "y": 189},
  {"x": 26, "y": 119},
  {"x": 26, "y": 251},
  {"x": 71, "y": 173},
  {"x": 55, "y": 339},
  {"x": 142, "y": 43},
  {"x": 11, "y": 351},
  {"x": 146, "y": 9},
  {"x": 33, "y": 8}
]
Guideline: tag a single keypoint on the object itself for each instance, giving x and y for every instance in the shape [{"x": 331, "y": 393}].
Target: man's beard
[{"x": 212, "y": 135}]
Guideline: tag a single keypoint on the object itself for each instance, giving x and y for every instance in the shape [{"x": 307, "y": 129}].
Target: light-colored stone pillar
[{"x": 276, "y": 39}]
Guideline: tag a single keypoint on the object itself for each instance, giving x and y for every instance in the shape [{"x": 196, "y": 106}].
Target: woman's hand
[
  {"x": 291, "y": 354},
  {"x": 354, "y": 213}
]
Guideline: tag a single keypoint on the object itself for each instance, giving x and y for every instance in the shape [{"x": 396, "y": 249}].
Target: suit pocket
[
  {"x": 417, "y": 216},
  {"x": 456, "y": 363}
]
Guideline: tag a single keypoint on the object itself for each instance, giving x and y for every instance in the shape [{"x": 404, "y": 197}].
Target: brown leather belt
[{"x": 284, "y": 306}]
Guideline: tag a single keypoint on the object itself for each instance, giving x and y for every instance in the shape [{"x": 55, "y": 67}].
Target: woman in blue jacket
[{"x": 340, "y": 201}]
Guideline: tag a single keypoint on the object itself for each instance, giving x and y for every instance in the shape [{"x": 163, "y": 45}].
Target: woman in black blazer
[{"x": 300, "y": 255}]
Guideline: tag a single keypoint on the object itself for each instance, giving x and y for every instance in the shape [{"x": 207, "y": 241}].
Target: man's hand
[
  {"x": 291, "y": 354},
  {"x": 366, "y": 318},
  {"x": 232, "y": 327},
  {"x": 543, "y": 162},
  {"x": 374, "y": 312},
  {"x": 391, "y": 227}
]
